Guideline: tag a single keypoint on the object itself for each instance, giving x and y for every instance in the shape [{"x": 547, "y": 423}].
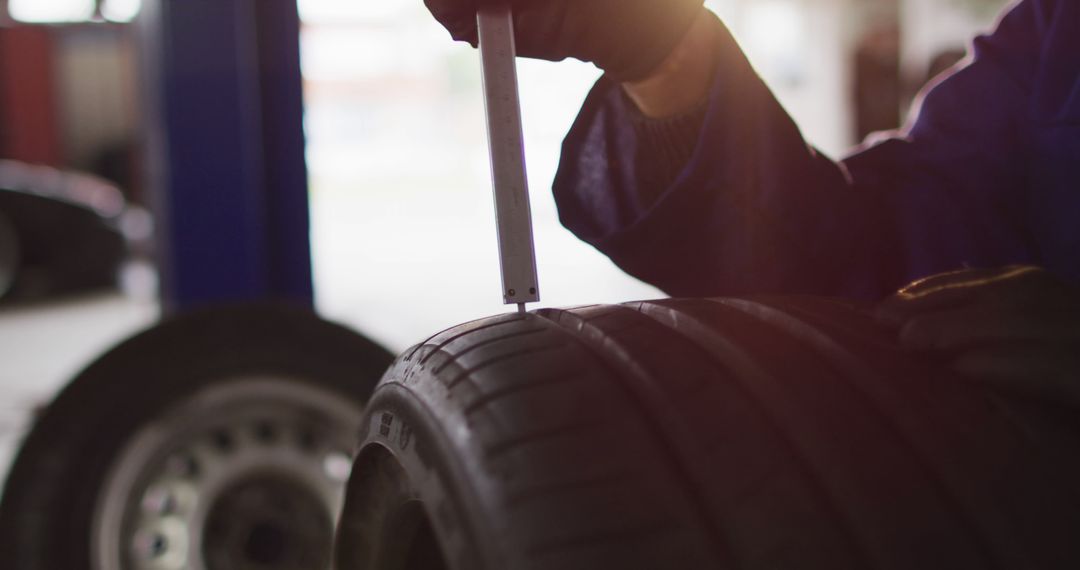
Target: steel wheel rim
[{"x": 254, "y": 451}]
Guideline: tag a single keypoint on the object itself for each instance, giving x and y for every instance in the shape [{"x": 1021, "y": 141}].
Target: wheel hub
[
  {"x": 268, "y": 522},
  {"x": 244, "y": 476}
]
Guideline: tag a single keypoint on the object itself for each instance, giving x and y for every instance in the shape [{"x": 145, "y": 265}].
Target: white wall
[{"x": 932, "y": 26}]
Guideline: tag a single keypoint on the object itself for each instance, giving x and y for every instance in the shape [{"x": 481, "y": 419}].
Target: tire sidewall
[{"x": 404, "y": 424}]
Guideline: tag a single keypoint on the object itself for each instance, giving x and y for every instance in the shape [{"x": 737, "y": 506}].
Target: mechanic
[{"x": 686, "y": 171}]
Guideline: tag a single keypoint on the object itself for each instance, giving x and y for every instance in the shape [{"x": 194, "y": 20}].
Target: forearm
[
  {"x": 749, "y": 209},
  {"x": 755, "y": 208},
  {"x": 681, "y": 83}
]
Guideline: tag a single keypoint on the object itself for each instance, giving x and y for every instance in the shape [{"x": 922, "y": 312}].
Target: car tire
[
  {"x": 726, "y": 433},
  {"x": 213, "y": 441}
]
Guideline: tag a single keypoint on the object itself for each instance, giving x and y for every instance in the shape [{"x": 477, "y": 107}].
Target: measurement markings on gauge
[{"x": 513, "y": 216}]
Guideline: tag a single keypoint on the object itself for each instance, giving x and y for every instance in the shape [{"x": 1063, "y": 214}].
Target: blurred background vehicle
[{"x": 65, "y": 233}]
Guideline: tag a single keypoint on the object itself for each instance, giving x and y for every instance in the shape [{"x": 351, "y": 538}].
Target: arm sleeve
[{"x": 752, "y": 208}]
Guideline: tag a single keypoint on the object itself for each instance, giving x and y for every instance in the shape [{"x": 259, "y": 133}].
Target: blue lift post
[{"x": 225, "y": 150}]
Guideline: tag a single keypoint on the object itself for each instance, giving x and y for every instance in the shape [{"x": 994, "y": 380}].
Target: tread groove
[
  {"x": 592, "y": 539},
  {"x": 494, "y": 450},
  {"x": 464, "y": 374},
  {"x": 629, "y": 367},
  {"x": 810, "y": 472},
  {"x": 539, "y": 491},
  {"x": 847, "y": 366},
  {"x": 496, "y": 395},
  {"x": 438, "y": 348},
  {"x": 456, "y": 356}
]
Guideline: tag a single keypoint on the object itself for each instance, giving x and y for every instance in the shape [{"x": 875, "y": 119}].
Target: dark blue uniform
[{"x": 733, "y": 200}]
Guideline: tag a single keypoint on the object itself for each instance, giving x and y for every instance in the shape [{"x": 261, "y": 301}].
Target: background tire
[
  {"x": 724, "y": 433},
  {"x": 216, "y": 440}
]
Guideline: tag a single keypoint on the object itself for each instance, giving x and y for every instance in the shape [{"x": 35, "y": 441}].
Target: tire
[
  {"x": 216, "y": 440},
  {"x": 775, "y": 433}
]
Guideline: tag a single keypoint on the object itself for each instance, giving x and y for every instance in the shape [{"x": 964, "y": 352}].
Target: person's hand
[
  {"x": 1016, "y": 328},
  {"x": 628, "y": 39}
]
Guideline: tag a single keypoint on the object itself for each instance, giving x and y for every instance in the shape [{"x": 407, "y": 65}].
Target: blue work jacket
[{"x": 987, "y": 173}]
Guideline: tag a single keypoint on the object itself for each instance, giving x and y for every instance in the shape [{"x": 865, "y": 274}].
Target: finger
[
  {"x": 943, "y": 291},
  {"x": 459, "y": 18},
  {"x": 1047, "y": 372},
  {"x": 932, "y": 293},
  {"x": 964, "y": 278},
  {"x": 976, "y": 324}
]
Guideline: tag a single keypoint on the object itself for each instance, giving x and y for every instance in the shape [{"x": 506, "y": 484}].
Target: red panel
[{"x": 28, "y": 121}]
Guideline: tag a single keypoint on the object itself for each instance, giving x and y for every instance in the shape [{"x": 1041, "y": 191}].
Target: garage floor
[{"x": 43, "y": 345}]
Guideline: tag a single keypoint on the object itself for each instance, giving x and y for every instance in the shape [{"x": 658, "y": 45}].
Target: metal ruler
[{"x": 513, "y": 217}]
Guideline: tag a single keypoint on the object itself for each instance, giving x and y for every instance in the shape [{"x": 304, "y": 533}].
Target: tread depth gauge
[{"x": 513, "y": 216}]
